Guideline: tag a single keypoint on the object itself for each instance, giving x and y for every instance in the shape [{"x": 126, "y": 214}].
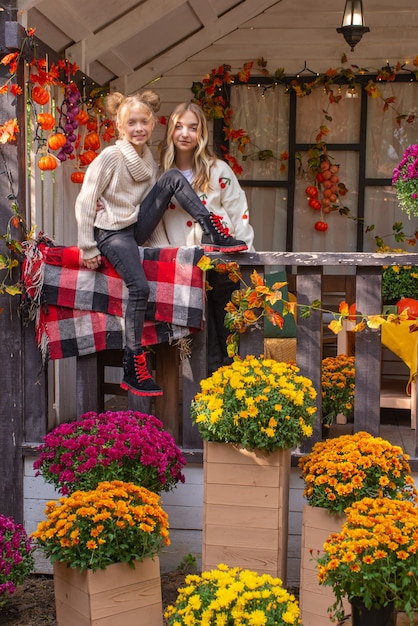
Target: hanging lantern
[{"x": 352, "y": 27}]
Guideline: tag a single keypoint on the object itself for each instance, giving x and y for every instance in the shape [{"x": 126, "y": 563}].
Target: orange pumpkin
[
  {"x": 82, "y": 117},
  {"x": 77, "y": 177},
  {"x": 47, "y": 162},
  {"x": 55, "y": 142},
  {"x": 86, "y": 158},
  {"x": 46, "y": 121},
  {"x": 92, "y": 141},
  {"x": 411, "y": 305},
  {"x": 40, "y": 95}
]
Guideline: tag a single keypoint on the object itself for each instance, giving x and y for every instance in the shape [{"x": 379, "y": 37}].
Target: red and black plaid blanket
[{"x": 79, "y": 311}]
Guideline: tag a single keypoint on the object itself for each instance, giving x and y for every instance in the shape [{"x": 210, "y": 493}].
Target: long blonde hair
[
  {"x": 203, "y": 156},
  {"x": 117, "y": 105}
]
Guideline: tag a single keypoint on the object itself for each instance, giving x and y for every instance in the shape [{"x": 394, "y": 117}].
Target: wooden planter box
[
  {"x": 115, "y": 595},
  {"x": 245, "y": 509},
  {"x": 315, "y": 599}
]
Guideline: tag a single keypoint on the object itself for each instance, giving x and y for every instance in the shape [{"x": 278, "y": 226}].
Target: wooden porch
[{"x": 359, "y": 277}]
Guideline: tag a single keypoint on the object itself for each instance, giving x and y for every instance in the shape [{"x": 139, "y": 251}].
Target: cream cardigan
[{"x": 225, "y": 198}]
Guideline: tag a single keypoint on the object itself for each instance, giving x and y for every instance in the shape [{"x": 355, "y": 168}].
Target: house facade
[{"x": 284, "y": 49}]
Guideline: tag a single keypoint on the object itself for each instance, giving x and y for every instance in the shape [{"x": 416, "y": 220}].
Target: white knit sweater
[
  {"x": 121, "y": 179},
  {"x": 225, "y": 198}
]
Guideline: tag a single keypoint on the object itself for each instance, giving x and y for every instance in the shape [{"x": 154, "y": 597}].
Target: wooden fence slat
[
  {"x": 368, "y": 353},
  {"x": 309, "y": 339}
]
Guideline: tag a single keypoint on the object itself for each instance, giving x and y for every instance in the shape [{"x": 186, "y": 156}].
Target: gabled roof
[{"x": 132, "y": 42}]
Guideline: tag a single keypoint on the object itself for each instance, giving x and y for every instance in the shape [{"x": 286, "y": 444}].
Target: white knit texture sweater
[{"x": 121, "y": 179}]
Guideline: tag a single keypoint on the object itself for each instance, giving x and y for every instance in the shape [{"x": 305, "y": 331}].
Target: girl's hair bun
[{"x": 151, "y": 97}]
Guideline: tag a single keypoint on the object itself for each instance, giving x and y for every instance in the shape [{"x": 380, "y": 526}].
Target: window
[{"x": 363, "y": 138}]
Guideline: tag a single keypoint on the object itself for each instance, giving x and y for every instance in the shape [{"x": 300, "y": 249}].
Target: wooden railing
[{"x": 309, "y": 269}]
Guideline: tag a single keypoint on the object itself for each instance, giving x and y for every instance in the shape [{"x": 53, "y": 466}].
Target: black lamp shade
[{"x": 352, "y": 27}]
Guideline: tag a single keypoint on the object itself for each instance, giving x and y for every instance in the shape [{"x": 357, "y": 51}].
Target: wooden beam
[
  {"x": 121, "y": 30},
  {"x": 205, "y": 11},
  {"x": 194, "y": 44},
  {"x": 63, "y": 16}
]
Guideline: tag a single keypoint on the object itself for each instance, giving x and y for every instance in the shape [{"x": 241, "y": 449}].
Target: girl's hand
[
  {"x": 94, "y": 263},
  {"x": 99, "y": 206}
]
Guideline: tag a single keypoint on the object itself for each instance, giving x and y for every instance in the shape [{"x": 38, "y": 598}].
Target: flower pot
[
  {"x": 315, "y": 599},
  {"x": 245, "y": 508},
  {"x": 118, "y": 594},
  {"x": 360, "y": 616}
]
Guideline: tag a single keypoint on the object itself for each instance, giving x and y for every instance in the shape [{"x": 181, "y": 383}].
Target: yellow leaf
[
  {"x": 335, "y": 326},
  {"x": 274, "y": 297},
  {"x": 291, "y": 307},
  {"x": 404, "y": 315},
  {"x": 13, "y": 290},
  {"x": 375, "y": 321},
  {"x": 205, "y": 263},
  {"x": 278, "y": 286},
  {"x": 359, "y": 327}
]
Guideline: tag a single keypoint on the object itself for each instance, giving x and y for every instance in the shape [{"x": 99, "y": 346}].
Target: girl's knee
[
  {"x": 139, "y": 292},
  {"x": 171, "y": 176}
]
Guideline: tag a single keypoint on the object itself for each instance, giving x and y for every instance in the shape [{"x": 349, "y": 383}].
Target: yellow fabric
[
  {"x": 283, "y": 350},
  {"x": 402, "y": 343}
]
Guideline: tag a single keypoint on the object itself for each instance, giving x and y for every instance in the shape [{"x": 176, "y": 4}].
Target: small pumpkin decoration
[
  {"x": 40, "y": 95},
  {"x": 92, "y": 141},
  {"x": 411, "y": 305},
  {"x": 47, "y": 162},
  {"x": 55, "y": 142},
  {"x": 82, "y": 117},
  {"x": 92, "y": 124},
  {"x": 46, "y": 121},
  {"x": 87, "y": 157},
  {"x": 77, "y": 177}
]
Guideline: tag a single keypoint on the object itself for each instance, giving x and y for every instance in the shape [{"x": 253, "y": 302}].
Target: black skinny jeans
[{"x": 120, "y": 247}]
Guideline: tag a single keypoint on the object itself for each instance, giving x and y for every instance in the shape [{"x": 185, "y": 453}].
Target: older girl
[{"x": 185, "y": 148}]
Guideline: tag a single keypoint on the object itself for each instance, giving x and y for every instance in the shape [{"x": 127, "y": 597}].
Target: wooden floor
[{"x": 395, "y": 426}]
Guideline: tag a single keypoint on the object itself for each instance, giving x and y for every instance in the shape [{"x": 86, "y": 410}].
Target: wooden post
[
  {"x": 12, "y": 405},
  {"x": 368, "y": 353},
  {"x": 309, "y": 340}
]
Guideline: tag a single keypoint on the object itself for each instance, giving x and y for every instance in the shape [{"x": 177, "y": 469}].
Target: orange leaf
[{"x": 8, "y": 131}]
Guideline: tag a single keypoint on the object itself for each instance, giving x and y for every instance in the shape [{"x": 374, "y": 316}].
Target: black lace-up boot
[
  {"x": 216, "y": 237},
  {"x": 136, "y": 377}
]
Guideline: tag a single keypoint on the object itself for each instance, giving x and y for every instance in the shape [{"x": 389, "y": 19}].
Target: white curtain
[{"x": 264, "y": 114}]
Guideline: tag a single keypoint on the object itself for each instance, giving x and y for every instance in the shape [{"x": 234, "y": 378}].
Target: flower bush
[
  {"x": 338, "y": 472},
  {"x": 16, "y": 557},
  {"x": 233, "y": 596},
  {"x": 124, "y": 445},
  {"x": 405, "y": 181},
  {"x": 374, "y": 557},
  {"x": 117, "y": 522},
  {"x": 398, "y": 281},
  {"x": 258, "y": 403},
  {"x": 337, "y": 386}
]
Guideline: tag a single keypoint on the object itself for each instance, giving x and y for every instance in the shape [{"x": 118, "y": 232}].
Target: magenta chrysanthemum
[
  {"x": 405, "y": 181},
  {"x": 124, "y": 445}
]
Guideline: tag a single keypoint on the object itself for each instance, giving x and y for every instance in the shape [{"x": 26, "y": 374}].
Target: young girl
[
  {"x": 185, "y": 148},
  {"x": 123, "y": 178}
]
